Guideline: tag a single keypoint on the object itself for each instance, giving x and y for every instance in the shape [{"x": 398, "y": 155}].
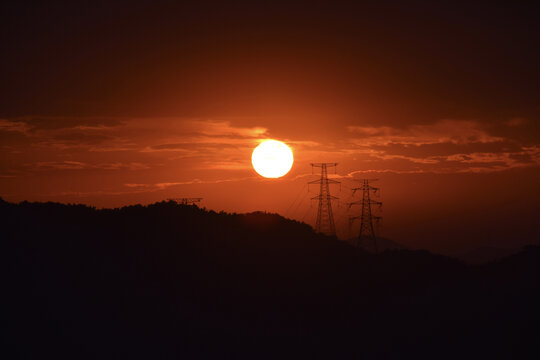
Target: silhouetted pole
[
  {"x": 325, "y": 217},
  {"x": 367, "y": 238}
]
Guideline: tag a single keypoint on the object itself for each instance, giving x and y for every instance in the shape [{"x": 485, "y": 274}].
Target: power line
[{"x": 295, "y": 202}]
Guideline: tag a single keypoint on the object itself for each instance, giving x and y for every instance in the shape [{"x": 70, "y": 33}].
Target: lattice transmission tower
[
  {"x": 367, "y": 238},
  {"x": 186, "y": 201},
  {"x": 325, "y": 218}
]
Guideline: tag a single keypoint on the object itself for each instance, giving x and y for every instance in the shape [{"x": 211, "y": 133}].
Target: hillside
[{"x": 168, "y": 280}]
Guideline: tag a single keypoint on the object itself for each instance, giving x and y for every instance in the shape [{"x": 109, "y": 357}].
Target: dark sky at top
[{"x": 427, "y": 59}]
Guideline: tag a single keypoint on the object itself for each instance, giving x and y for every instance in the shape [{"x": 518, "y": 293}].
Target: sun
[{"x": 272, "y": 159}]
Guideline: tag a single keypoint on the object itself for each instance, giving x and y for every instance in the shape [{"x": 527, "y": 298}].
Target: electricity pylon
[
  {"x": 186, "y": 201},
  {"x": 367, "y": 238},
  {"x": 325, "y": 218}
]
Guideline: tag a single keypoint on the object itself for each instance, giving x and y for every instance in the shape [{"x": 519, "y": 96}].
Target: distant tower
[
  {"x": 367, "y": 238},
  {"x": 186, "y": 201},
  {"x": 325, "y": 218}
]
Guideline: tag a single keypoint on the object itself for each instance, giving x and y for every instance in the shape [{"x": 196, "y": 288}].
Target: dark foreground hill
[{"x": 169, "y": 281}]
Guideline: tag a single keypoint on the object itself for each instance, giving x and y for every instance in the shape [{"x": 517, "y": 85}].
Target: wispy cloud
[
  {"x": 164, "y": 185},
  {"x": 78, "y": 165},
  {"x": 15, "y": 126},
  {"x": 36, "y": 123},
  {"x": 447, "y": 146},
  {"x": 224, "y": 129},
  {"x": 515, "y": 122},
  {"x": 444, "y": 131},
  {"x": 128, "y": 143}
]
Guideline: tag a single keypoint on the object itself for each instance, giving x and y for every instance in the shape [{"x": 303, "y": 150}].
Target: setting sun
[{"x": 272, "y": 159}]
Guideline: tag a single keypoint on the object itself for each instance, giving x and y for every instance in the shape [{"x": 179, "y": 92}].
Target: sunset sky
[{"x": 116, "y": 104}]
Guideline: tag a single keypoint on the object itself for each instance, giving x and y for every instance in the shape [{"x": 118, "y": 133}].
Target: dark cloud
[
  {"x": 442, "y": 149},
  {"x": 192, "y": 146},
  {"x": 36, "y": 123},
  {"x": 77, "y": 165}
]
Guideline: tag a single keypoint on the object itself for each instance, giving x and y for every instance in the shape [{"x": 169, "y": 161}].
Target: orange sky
[{"x": 118, "y": 104}]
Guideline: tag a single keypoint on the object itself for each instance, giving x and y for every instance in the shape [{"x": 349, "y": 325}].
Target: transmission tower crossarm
[
  {"x": 331, "y": 197},
  {"x": 323, "y": 164},
  {"x": 366, "y": 187},
  {"x": 330, "y": 181},
  {"x": 354, "y": 203},
  {"x": 352, "y": 218},
  {"x": 362, "y": 202}
]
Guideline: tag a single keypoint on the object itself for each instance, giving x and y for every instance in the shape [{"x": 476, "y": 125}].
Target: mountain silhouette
[
  {"x": 171, "y": 281},
  {"x": 486, "y": 254},
  {"x": 383, "y": 244}
]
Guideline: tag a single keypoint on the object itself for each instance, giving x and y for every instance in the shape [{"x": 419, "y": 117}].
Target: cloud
[
  {"x": 209, "y": 134},
  {"x": 60, "y": 165},
  {"x": 142, "y": 134},
  {"x": 224, "y": 129},
  {"x": 456, "y": 163},
  {"x": 14, "y": 126},
  {"x": 237, "y": 164},
  {"x": 515, "y": 122},
  {"x": 382, "y": 156},
  {"x": 211, "y": 144},
  {"x": 353, "y": 174},
  {"x": 169, "y": 147},
  {"x": 195, "y": 146},
  {"x": 47, "y": 123},
  {"x": 140, "y": 188},
  {"x": 78, "y": 165},
  {"x": 448, "y": 146},
  {"x": 444, "y": 131},
  {"x": 164, "y": 185}
]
